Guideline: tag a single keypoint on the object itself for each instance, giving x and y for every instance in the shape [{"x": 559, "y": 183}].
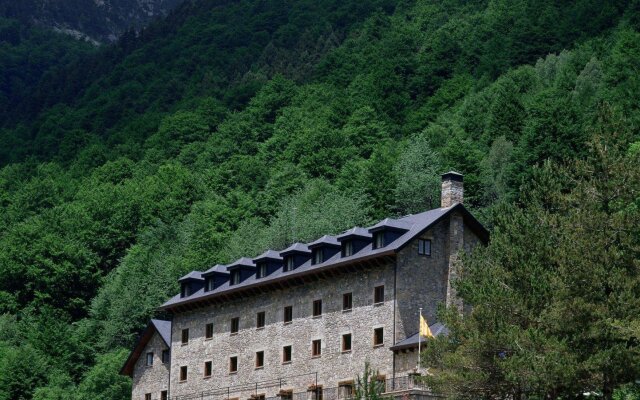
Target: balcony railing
[{"x": 314, "y": 391}]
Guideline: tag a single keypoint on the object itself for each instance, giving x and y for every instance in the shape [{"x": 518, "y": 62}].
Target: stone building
[{"x": 306, "y": 319}]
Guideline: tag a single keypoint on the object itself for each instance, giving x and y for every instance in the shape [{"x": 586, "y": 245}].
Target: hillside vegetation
[{"x": 234, "y": 126}]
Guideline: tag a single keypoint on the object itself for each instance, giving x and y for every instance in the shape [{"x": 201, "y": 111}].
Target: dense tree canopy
[{"x": 222, "y": 131}]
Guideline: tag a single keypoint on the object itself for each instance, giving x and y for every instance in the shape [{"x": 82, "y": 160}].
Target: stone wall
[
  {"x": 332, "y": 367},
  {"x": 151, "y": 379}
]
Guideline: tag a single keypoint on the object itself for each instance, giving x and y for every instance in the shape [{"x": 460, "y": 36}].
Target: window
[
  {"x": 317, "y": 308},
  {"x": 288, "y": 263},
  {"x": 260, "y": 320},
  {"x": 288, "y": 314},
  {"x": 233, "y": 364},
  {"x": 147, "y": 396},
  {"x": 424, "y": 247},
  {"x": 185, "y": 336},
  {"x": 235, "y": 277},
  {"x": 262, "y": 270},
  {"x": 318, "y": 256},
  {"x": 166, "y": 356},
  {"x": 378, "y": 294},
  {"x": 149, "y": 359},
  {"x": 286, "y": 354},
  {"x": 208, "y": 331},
  {"x": 210, "y": 284},
  {"x": 184, "y": 292},
  {"x": 347, "y": 301},
  {"x": 183, "y": 373},
  {"x": 316, "y": 348},
  {"x": 319, "y": 393},
  {"x": 286, "y": 394},
  {"x": 235, "y": 325},
  {"x": 378, "y": 240},
  {"x": 378, "y": 336},
  {"x": 345, "y": 390},
  {"x": 346, "y": 343},
  {"x": 207, "y": 369},
  {"x": 163, "y": 395},
  {"x": 259, "y": 359},
  {"x": 347, "y": 248}
]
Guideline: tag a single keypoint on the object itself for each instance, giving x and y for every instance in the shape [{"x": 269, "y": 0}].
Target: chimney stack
[{"x": 452, "y": 189}]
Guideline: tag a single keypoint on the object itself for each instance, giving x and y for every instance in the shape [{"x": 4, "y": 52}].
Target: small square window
[
  {"x": 183, "y": 373},
  {"x": 378, "y": 336},
  {"x": 147, "y": 396},
  {"x": 207, "y": 369},
  {"x": 318, "y": 256},
  {"x": 345, "y": 390},
  {"x": 424, "y": 247},
  {"x": 288, "y": 314},
  {"x": 347, "y": 301},
  {"x": 163, "y": 395},
  {"x": 286, "y": 354},
  {"x": 346, "y": 343},
  {"x": 259, "y": 359},
  {"x": 260, "y": 320},
  {"x": 347, "y": 248},
  {"x": 149, "y": 359},
  {"x": 166, "y": 356},
  {"x": 235, "y": 325},
  {"x": 378, "y": 240},
  {"x": 316, "y": 348},
  {"x": 208, "y": 331},
  {"x": 378, "y": 294},
  {"x": 289, "y": 263},
  {"x": 235, "y": 277},
  {"x": 262, "y": 270},
  {"x": 233, "y": 364},
  {"x": 317, "y": 308},
  {"x": 185, "y": 336}
]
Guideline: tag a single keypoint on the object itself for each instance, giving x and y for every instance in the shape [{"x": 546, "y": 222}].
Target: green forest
[{"x": 230, "y": 127}]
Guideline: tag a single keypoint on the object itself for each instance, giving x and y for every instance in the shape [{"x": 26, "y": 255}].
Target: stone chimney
[{"x": 452, "y": 189}]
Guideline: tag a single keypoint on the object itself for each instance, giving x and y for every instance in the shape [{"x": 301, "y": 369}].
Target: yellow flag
[{"x": 424, "y": 328}]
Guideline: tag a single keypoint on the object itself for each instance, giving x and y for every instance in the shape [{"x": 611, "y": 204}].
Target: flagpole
[{"x": 419, "y": 336}]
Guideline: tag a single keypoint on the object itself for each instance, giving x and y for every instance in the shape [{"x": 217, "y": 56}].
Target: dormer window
[
  {"x": 210, "y": 285},
  {"x": 262, "y": 270},
  {"x": 378, "y": 240},
  {"x": 347, "y": 248},
  {"x": 318, "y": 256},
  {"x": 184, "y": 292},
  {"x": 289, "y": 263},
  {"x": 235, "y": 277}
]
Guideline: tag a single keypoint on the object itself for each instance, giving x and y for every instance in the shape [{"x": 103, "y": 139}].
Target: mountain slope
[
  {"x": 227, "y": 129},
  {"x": 97, "y": 20}
]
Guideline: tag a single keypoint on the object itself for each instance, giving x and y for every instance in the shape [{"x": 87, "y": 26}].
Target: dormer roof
[
  {"x": 162, "y": 327},
  {"x": 356, "y": 232},
  {"x": 192, "y": 276},
  {"x": 409, "y": 227},
  {"x": 296, "y": 248},
  {"x": 326, "y": 240},
  {"x": 216, "y": 269},
  {"x": 243, "y": 262},
  {"x": 391, "y": 224},
  {"x": 269, "y": 255}
]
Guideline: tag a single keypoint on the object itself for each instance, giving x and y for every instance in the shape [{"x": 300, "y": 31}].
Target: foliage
[
  {"x": 554, "y": 296},
  {"x": 368, "y": 386},
  {"x": 227, "y": 129}
]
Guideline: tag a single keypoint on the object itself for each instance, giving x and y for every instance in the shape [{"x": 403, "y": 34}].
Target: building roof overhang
[{"x": 162, "y": 327}]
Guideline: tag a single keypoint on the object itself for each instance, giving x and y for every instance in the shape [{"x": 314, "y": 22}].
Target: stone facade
[
  {"x": 151, "y": 379},
  {"x": 411, "y": 281}
]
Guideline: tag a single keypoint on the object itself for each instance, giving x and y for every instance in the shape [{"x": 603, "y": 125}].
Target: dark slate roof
[
  {"x": 354, "y": 232},
  {"x": 241, "y": 262},
  {"x": 162, "y": 327},
  {"x": 453, "y": 175},
  {"x": 193, "y": 275},
  {"x": 216, "y": 269},
  {"x": 415, "y": 224},
  {"x": 295, "y": 248},
  {"x": 326, "y": 240},
  {"x": 269, "y": 255},
  {"x": 388, "y": 223},
  {"x": 437, "y": 329}
]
